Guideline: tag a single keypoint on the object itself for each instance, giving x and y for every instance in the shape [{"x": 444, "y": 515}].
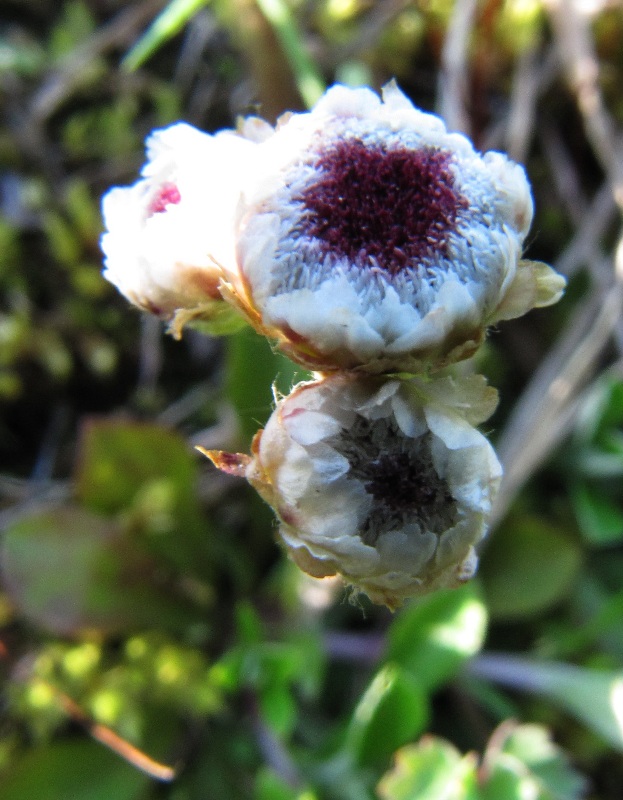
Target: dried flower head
[
  {"x": 376, "y": 240},
  {"x": 169, "y": 235},
  {"x": 383, "y": 482}
]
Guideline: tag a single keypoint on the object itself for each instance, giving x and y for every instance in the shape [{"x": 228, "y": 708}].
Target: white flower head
[
  {"x": 378, "y": 241},
  {"x": 372, "y": 480},
  {"x": 170, "y": 237}
]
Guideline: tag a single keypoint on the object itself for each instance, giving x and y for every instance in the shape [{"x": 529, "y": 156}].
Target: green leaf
[
  {"x": 117, "y": 458},
  {"x": 599, "y": 517},
  {"x": 68, "y": 570},
  {"x": 431, "y": 770},
  {"x": 278, "y": 708},
  {"x": 599, "y": 614},
  {"x": 432, "y": 637},
  {"x": 270, "y": 669},
  {"x": 80, "y": 770},
  {"x": 249, "y": 626},
  {"x": 528, "y": 566},
  {"x": 509, "y": 780},
  {"x": 392, "y": 711},
  {"x": 74, "y": 26},
  {"x": 493, "y": 700},
  {"x": 224, "y": 321},
  {"x": 252, "y": 369},
  {"x": 550, "y": 767},
  {"x": 20, "y": 55},
  {"x": 520, "y": 762},
  {"x": 593, "y": 697},
  {"x": 82, "y": 209},
  {"x": 271, "y": 786},
  {"x": 150, "y": 474},
  {"x": 169, "y": 22},
  {"x": 613, "y": 410},
  {"x": 601, "y": 411}
]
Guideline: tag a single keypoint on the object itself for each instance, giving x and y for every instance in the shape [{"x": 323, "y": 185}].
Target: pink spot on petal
[{"x": 167, "y": 195}]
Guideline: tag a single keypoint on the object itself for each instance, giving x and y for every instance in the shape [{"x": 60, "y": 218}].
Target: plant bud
[
  {"x": 374, "y": 240},
  {"x": 384, "y": 482},
  {"x": 170, "y": 237}
]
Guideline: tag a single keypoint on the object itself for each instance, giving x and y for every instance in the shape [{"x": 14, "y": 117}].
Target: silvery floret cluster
[{"x": 375, "y": 248}]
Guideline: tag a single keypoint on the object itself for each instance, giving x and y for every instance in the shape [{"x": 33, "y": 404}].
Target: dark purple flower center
[
  {"x": 397, "y": 206},
  {"x": 397, "y": 471},
  {"x": 395, "y": 481}
]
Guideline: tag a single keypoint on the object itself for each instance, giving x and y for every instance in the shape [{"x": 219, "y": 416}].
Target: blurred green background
[{"x": 154, "y": 641}]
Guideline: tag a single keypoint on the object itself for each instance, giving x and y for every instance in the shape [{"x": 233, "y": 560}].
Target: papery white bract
[
  {"x": 170, "y": 236},
  {"x": 378, "y": 481},
  {"x": 376, "y": 240}
]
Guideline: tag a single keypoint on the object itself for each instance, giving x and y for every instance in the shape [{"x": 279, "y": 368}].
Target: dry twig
[
  {"x": 547, "y": 408},
  {"x": 549, "y": 404},
  {"x": 581, "y": 66},
  {"x": 63, "y": 81},
  {"x": 453, "y": 72}
]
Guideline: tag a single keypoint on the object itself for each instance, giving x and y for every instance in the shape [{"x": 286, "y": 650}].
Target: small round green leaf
[
  {"x": 528, "y": 566},
  {"x": 431, "y": 770}
]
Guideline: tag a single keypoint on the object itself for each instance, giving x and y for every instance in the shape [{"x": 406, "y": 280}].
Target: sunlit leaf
[
  {"x": 520, "y": 763},
  {"x": 23, "y": 57},
  {"x": 508, "y": 779},
  {"x": 593, "y": 697},
  {"x": 431, "y": 770},
  {"x": 392, "y": 711},
  {"x": 549, "y": 765},
  {"x": 432, "y": 637},
  {"x": 164, "y": 27}
]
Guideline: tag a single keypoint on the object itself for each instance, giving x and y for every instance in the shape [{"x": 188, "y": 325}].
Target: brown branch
[{"x": 106, "y": 736}]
